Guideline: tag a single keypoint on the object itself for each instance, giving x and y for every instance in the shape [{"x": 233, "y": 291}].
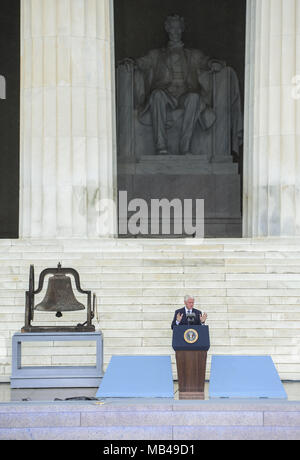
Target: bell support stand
[{"x": 30, "y": 297}]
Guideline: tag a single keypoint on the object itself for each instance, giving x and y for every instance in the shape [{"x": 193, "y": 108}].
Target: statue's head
[{"x": 175, "y": 27}]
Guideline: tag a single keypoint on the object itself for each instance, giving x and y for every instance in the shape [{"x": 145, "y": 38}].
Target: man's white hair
[{"x": 187, "y": 297}]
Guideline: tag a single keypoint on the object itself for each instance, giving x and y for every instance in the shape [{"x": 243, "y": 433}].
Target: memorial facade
[
  {"x": 85, "y": 109},
  {"x": 71, "y": 99},
  {"x": 69, "y": 190}
]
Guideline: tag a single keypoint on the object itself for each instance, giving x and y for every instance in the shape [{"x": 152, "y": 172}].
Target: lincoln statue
[{"x": 173, "y": 78}]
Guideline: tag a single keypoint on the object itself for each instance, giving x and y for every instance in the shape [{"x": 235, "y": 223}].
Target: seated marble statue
[{"x": 173, "y": 78}]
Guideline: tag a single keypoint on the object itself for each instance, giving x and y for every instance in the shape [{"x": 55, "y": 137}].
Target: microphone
[{"x": 191, "y": 317}]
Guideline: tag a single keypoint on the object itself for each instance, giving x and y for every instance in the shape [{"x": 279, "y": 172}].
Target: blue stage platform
[
  {"x": 138, "y": 377},
  {"x": 245, "y": 377}
]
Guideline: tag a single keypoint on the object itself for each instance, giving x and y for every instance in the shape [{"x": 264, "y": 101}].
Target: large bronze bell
[{"x": 59, "y": 296}]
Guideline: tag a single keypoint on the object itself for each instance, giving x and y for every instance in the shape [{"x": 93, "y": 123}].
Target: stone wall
[
  {"x": 249, "y": 288},
  {"x": 166, "y": 420}
]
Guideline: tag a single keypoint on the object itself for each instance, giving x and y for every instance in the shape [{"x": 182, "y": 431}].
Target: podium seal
[{"x": 191, "y": 336}]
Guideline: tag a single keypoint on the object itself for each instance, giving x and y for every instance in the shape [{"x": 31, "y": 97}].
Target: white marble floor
[{"x": 49, "y": 394}]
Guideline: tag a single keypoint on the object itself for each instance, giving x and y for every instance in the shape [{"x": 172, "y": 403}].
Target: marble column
[
  {"x": 272, "y": 119},
  {"x": 68, "y": 152}
]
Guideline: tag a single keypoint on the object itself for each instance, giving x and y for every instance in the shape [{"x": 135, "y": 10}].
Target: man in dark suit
[{"x": 180, "y": 317}]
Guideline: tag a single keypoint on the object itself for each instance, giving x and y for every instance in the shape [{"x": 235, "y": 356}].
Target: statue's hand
[
  {"x": 216, "y": 67},
  {"x": 128, "y": 64}
]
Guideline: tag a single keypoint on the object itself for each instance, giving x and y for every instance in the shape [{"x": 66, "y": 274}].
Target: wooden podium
[{"x": 191, "y": 344}]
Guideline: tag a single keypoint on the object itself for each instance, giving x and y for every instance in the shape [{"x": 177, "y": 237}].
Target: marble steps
[
  {"x": 151, "y": 420},
  {"x": 250, "y": 289}
]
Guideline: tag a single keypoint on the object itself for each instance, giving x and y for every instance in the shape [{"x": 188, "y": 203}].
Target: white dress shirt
[{"x": 186, "y": 312}]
